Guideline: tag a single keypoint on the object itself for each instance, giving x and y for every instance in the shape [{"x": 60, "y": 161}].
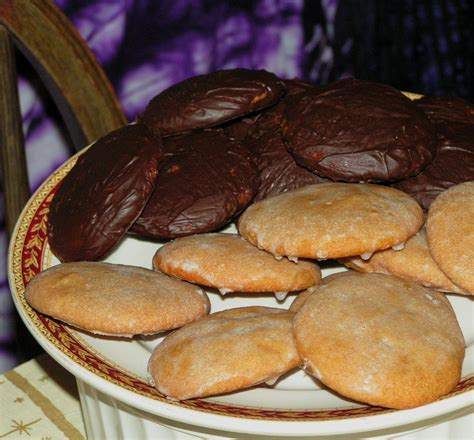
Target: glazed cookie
[
  {"x": 332, "y": 220},
  {"x": 114, "y": 299},
  {"x": 300, "y": 300},
  {"x": 399, "y": 345},
  {"x": 211, "y": 99},
  {"x": 205, "y": 180},
  {"x": 359, "y": 131},
  {"x": 230, "y": 263},
  {"x": 103, "y": 194},
  {"x": 303, "y": 296},
  {"x": 414, "y": 262},
  {"x": 224, "y": 352},
  {"x": 450, "y": 233}
]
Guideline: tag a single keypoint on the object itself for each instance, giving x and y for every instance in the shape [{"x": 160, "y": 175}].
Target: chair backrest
[{"x": 69, "y": 70}]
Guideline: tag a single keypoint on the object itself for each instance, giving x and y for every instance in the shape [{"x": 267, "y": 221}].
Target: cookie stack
[
  {"x": 440, "y": 256},
  {"x": 207, "y": 147},
  {"x": 308, "y": 174},
  {"x": 453, "y": 119}
]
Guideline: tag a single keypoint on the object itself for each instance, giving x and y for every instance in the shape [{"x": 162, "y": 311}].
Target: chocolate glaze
[
  {"x": 205, "y": 180},
  {"x": 238, "y": 129},
  {"x": 447, "y": 109},
  {"x": 208, "y": 100},
  {"x": 278, "y": 170},
  {"x": 103, "y": 194},
  {"x": 296, "y": 85},
  {"x": 358, "y": 131},
  {"x": 454, "y": 160}
]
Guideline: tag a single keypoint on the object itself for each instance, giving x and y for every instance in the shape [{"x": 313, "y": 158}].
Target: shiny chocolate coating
[
  {"x": 238, "y": 129},
  {"x": 207, "y": 100},
  {"x": 447, "y": 109},
  {"x": 205, "y": 180},
  {"x": 296, "y": 85},
  {"x": 103, "y": 194},
  {"x": 358, "y": 131},
  {"x": 454, "y": 160},
  {"x": 278, "y": 170}
]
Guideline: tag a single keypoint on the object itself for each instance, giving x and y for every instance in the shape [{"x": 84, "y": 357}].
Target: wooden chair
[
  {"x": 69, "y": 70},
  {"x": 67, "y": 67}
]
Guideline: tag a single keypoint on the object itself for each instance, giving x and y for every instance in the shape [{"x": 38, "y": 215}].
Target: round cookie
[
  {"x": 115, "y": 299},
  {"x": 239, "y": 129},
  {"x": 331, "y": 220},
  {"x": 399, "y": 345},
  {"x": 211, "y": 99},
  {"x": 278, "y": 170},
  {"x": 230, "y": 263},
  {"x": 447, "y": 109},
  {"x": 414, "y": 263},
  {"x": 300, "y": 300},
  {"x": 450, "y": 234},
  {"x": 454, "y": 160},
  {"x": 103, "y": 194},
  {"x": 453, "y": 164},
  {"x": 359, "y": 131},
  {"x": 205, "y": 180},
  {"x": 195, "y": 361},
  {"x": 303, "y": 296}
]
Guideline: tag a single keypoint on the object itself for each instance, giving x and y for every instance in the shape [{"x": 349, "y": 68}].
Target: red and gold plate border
[{"x": 29, "y": 246}]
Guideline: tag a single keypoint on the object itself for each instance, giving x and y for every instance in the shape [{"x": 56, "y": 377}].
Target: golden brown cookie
[
  {"x": 303, "y": 296},
  {"x": 300, "y": 300},
  {"x": 380, "y": 339},
  {"x": 450, "y": 234},
  {"x": 114, "y": 299},
  {"x": 414, "y": 262},
  {"x": 332, "y": 220},
  {"x": 230, "y": 263},
  {"x": 223, "y": 352}
]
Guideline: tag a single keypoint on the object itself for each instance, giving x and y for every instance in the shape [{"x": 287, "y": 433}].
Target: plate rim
[{"x": 357, "y": 422}]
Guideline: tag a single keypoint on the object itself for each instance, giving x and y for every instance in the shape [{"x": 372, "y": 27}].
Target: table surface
[{"x": 39, "y": 400}]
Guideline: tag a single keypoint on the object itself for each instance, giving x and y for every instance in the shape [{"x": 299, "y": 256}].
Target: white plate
[{"x": 296, "y": 405}]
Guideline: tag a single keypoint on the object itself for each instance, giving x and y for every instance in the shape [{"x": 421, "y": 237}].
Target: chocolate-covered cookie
[
  {"x": 359, "y": 131},
  {"x": 262, "y": 134},
  {"x": 454, "y": 160},
  {"x": 447, "y": 109},
  {"x": 278, "y": 170},
  {"x": 296, "y": 85},
  {"x": 211, "y": 99},
  {"x": 205, "y": 180},
  {"x": 238, "y": 129},
  {"x": 453, "y": 164},
  {"x": 104, "y": 193}
]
